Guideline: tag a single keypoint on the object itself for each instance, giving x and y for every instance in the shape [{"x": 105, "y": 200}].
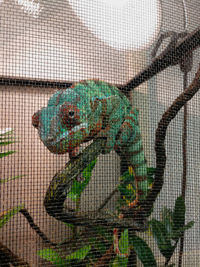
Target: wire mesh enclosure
[{"x": 99, "y": 133}]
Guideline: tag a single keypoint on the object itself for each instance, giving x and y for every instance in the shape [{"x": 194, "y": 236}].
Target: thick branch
[
  {"x": 60, "y": 186},
  {"x": 167, "y": 117},
  {"x": 147, "y": 205},
  {"x": 7, "y": 256}
]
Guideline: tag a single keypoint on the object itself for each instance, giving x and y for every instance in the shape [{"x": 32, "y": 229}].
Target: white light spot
[
  {"x": 30, "y": 7},
  {"x": 122, "y": 24}
]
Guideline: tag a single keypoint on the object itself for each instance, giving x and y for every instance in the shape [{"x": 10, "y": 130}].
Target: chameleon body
[{"x": 93, "y": 109}]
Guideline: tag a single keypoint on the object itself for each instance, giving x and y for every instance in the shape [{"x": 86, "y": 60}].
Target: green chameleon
[{"x": 94, "y": 109}]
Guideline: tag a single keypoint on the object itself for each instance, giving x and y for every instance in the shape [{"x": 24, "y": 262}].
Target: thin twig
[
  {"x": 185, "y": 66},
  {"x": 107, "y": 199},
  {"x": 35, "y": 227}
]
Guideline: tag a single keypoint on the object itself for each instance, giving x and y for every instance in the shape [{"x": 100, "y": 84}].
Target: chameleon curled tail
[{"x": 94, "y": 109}]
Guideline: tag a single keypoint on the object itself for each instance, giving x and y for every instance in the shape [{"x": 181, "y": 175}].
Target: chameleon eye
[
  {"x": 69, "y": 115},
  {"x": 36, "y": 119}
]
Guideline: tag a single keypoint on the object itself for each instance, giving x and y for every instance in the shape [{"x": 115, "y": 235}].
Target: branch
[
  {"x": 169, "y": 58},
  {"x": 7, "y": 256},
  {"x": 61, "y": 184},
  {"x": 104, "y": 260},
  {"x": 167, "y": 117},
  {"x": 35, "y": 227}
]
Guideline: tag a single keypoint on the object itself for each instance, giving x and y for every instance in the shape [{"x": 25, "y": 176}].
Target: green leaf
[
  {"x": 178, "y": 233},
  {"x": 78, "y": 187},
  {"x": 79, "y": 254},
  {"x": 120, "y": 262},
  {"x": 143, "y": 251},
  {"x": 88, "y": 170},
  {"x": 72, "y": 226},
  {"x": 179, "y": 214},
  {"x": 127, "y": 177},
  {"x": 124, "y": 248},
  {"x": 5, "y": 143},
  {"x": 98, "y": 244},
  {"x": 7, "y": 153},
  {"x": 104, "y": 233},
  {"x": 10, "y": 179},
  {"x": 52, "y": 256},
  {"x": 188, "y": 225},
  {"x": 162, "y": 238},
  {"x": 150, "y": 175},
  {"x": 74, "y": 193},
  {"x": 167, "y": 219},
  {"x": 123, "y": 242},
  {"x": 7, "y": 215},
  {"x": 151, "y": 171}
]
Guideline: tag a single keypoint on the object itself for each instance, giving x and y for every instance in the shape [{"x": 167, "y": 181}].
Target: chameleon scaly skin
[{"x": 91, "y": 109}]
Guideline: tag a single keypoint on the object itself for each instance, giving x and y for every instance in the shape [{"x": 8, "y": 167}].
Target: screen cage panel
[{"x": 99, "y": 133}]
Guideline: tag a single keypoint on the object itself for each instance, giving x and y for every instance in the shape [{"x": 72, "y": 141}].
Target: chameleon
[{"x": 92, "y": 109}]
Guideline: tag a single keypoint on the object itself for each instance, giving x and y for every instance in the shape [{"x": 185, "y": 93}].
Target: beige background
[{"x": 56, "y": 46}]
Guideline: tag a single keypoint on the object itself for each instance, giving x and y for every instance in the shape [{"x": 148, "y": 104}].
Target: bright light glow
[
  {"x": 30, "y": 7},
  {"x": 115, "y": 3},
  {"x": 122, "y": 24}
]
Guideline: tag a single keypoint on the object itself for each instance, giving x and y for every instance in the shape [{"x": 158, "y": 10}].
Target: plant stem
[
  {"x": 184, "y": 177},
  {"x": 167, "y": 117},
  {"x": 35, "y": 227}
]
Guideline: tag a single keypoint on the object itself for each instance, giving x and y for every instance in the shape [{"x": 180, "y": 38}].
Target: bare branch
[
  {"x": 169, "y": 58},
  {"x": 167, "y": 117}
]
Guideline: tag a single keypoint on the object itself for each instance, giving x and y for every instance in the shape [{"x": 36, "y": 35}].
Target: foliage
[
  {"x": 170, "y": 229},
  {"x": 75, "y": 257},
  {"x": 5, "y": 216},
  {"x": 78, "y": 186},
  {"x": 143, "y": 251},
  {"x": 6, "y": 138},
  {"x": 166, "y": 232}
]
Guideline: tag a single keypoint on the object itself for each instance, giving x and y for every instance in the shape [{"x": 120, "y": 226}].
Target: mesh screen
[{"x": 84, "y": 179}]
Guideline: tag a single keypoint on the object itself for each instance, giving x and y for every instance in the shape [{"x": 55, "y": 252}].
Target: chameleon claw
[{"x": 133, "y": 204}]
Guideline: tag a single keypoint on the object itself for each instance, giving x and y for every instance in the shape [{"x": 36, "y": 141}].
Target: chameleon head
[{"x": 62, "y": 125}]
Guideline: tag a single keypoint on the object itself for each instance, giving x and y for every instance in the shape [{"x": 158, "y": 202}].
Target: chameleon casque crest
[{"x": 93, "y": 109}]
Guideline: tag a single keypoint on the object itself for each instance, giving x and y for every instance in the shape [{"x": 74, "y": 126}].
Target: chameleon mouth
[{"x": 69, "y": 140}]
